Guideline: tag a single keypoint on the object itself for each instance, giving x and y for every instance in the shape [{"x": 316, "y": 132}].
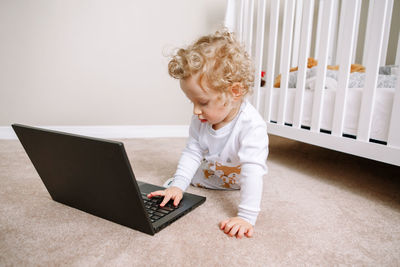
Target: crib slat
[
  {"x": 259, "y": 51},
  {"x": 248, "y": 24},
  {"x": 288, "y": 18},
  {"x": 306, "y": 28},
  {"x": 394, "y": 127},
  {"x": 245, "y": 6},
  {"x": 230, "y": 15},
  {"x": 297, "y": 29},
  {"x": 326, "y": 24},
  {"x": 319, "y": 29},
  {"x": 388, "y": 21},
  {"x": 333, "y": 43},
  {"x": 240, "y": 20},
  {"x": 358, "y": 14},
  {"x": 397, "y": 62},
  {"x": 345, "y": 45},
  {"x": 367, "y": 31},
  {"x": 372, "y": 69},
  {"x": 272, "y": 41}
]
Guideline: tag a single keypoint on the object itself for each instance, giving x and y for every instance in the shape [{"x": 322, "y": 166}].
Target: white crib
[{"x": 283, "y": 34}]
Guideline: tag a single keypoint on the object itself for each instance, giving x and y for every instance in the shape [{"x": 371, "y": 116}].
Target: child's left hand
[{"x": 237, "y": 226}]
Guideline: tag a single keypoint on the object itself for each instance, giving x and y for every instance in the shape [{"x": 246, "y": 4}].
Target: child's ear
[{"x": 236, "y": 90}]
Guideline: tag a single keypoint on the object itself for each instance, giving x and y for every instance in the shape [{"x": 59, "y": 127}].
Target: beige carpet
[{"x": 320, "y": 207}]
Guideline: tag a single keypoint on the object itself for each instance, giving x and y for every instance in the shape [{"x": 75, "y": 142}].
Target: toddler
[{"x": 228, "y": 143}]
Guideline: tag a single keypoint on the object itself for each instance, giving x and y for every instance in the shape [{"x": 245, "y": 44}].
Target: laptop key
[
  {"x": 159, "y": 214},
  {"x": 163, "y": 211},
  {"x": 166, "y": 208}
]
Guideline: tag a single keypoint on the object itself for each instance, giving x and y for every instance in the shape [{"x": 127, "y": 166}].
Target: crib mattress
[{"x": 380, "y": 118}]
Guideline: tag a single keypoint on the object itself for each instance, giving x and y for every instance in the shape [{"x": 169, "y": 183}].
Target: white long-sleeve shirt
[{"x": 233, "y": 157}]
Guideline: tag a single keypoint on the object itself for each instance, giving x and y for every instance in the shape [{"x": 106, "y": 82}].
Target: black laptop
[{"x": 94, "y": 175}]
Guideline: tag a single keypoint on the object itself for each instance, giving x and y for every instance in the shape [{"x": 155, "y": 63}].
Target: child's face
[{"x": 209, "y": 105}]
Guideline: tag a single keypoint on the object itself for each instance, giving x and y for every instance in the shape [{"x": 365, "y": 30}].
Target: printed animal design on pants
[
  {"x": 227, "y": 174},
  {"x": 208, "y": 172}
]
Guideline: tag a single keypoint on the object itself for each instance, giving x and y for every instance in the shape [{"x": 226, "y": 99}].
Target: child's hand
[
  {"x": 172, "y": 192},
  {"x": 237, "y": 226}
]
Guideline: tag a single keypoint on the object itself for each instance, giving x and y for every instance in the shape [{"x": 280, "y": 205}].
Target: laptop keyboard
[{"x": 153, "y": 208}]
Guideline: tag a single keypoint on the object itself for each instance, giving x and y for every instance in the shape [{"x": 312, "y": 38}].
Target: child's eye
[{"x": 204, "y": 103}]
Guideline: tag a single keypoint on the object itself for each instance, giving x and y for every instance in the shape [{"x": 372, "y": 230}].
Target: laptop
[{"x": 94, "y": 175}]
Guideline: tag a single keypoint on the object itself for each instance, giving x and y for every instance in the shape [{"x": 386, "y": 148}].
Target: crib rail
[
  {"x": 288, "y": 19},
  {"x": 324, "y": 22},
  {"x": 345, "y": 42},
  {"x": 271, "y": 57},
  {"x": 330, "y": 31},
  {"x": 305, "y": 38}
]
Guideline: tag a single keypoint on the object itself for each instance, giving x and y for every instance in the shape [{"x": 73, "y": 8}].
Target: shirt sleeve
[
  {"x": 190, "y": 159},
  {"x": 253, "y": 153}
]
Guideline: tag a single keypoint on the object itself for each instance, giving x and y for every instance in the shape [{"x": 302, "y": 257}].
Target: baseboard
[{"x": 115, "y": 131}]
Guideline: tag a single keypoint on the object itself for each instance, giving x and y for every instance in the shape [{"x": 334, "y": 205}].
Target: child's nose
[{"x": 196, "y": 110}]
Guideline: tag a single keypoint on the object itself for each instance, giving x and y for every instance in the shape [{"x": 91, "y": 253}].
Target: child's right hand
[{"x": 172, "y": 192}]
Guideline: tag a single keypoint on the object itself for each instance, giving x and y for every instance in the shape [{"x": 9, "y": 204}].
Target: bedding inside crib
[
  {"x": 380, "y": 118},
  {"x": 386, "y": 79}
]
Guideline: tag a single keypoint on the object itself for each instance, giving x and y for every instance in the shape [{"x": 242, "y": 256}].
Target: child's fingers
[
  {"x": 177, "y": 199},
  {"x": 156, "y": 193},
  {"x": 167, "y": 197},
  {"x": 241, "y": 232},
  {"x": 222, "y": 224},
  {"x": 250, "y": 232},
  {"x": 228, "y": 227},
  {"x": 234, "y": 230}
]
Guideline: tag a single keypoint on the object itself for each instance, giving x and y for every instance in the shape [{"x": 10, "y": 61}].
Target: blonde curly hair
[{"x": 219, "y": 58}]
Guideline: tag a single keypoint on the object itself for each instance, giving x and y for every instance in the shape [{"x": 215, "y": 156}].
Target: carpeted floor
[{"x": 320, "y": 207}]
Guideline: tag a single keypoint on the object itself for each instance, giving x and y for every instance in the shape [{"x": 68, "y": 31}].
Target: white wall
[{"x": 97, "y": 62}]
